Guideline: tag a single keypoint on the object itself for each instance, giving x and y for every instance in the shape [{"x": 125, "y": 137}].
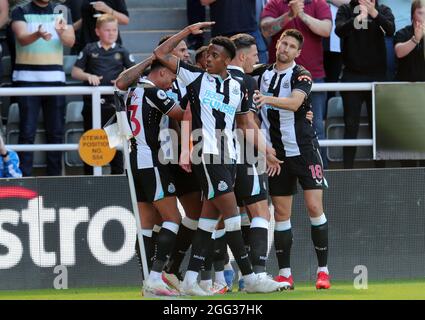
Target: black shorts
[
  {"x": 250, "y": 187},
  {"x": 215, "y": 179},
  {"x": 306, "y": 168},
  {"x": 186, "y": 182},
  {"x": 152, "y": 184}
]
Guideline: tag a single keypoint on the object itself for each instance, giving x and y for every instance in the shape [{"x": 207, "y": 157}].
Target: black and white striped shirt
[
  {"x": 214, "y": 103},
  {"x": 148, "y": 106},
  {"x": 286, "y": 131}
]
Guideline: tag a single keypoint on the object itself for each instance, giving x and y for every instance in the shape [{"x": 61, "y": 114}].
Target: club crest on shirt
[
  {"x": 222, "y": 186},
  {"x": 118, "y": 56},
  {"x": 171, "y": 188},
  {"x": 80, "y": 55},
  {"x": 236, "y": 90},
  {"x": 286, "y": 84},
  {"x": 95, "y": 55},
  {"x": 161, "y": 95}
]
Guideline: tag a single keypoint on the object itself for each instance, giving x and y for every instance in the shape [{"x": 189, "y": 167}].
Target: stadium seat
[
  {"x": 12, "y": 134},
  {"x": 74, "y": 128},
  {"x": 335, "y": 130}
]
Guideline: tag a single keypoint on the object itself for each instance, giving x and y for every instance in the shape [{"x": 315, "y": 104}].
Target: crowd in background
[{"x": 345, "y": 40}]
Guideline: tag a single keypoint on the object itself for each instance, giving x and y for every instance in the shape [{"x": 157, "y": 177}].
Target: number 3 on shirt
[{"x": 133, "y": 119}]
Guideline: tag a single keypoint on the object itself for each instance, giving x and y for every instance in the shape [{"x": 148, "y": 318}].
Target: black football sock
[{"x": 165, "y": 243}]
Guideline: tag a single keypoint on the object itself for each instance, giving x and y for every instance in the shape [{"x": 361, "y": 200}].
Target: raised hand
[
  {"x": 419, "y": 29},
  {"x": 196, "y": 28},
  {"x": 101, "y": 6},
  {"x": 296, "y": 7}
]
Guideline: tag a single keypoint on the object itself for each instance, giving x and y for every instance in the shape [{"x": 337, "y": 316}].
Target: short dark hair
[
  {"x": 294, "y": 34},
  {"x": 156, "y": 64},
  {"x": 243, "y": 41},
  {"x": 199, "y": 52},
  {"x": 416, "y": 4},
  {"x": 164, "y": 38},
  {"x": 226, "y": 43}
]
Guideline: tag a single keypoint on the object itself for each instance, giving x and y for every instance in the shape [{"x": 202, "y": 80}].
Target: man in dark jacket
[{"x": 362, "y": 26}]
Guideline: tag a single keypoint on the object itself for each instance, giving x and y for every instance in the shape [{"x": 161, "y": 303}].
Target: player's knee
[{"x": 314, "y": 208}]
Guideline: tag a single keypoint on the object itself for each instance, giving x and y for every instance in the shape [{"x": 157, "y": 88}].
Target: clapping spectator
[
  {"x": 401, "y": 12},
  {"x": 409, "y": 46},
  {"x": 40, "y": 35},
  {"x": 313, "y": 19},
  {"x": 100, "y": 63},
  {"x": 362, "y": 26}
]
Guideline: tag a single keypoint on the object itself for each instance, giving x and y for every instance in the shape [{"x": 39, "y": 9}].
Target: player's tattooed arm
[
  {"x": 131, "y": 75},
  {"x": 163, "y": 52}
]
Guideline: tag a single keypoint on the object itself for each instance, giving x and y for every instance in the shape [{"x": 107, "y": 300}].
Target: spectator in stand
[
  {"x": 409, "y": 46},
  {"x": 401, "y": 12},
  {"x": 10, "y": 36},
  {"x": 100, "y": 63},
  {"x": 196, "y": 13},
  {"x": 4, "y": 19},
  {"x": 40, "y": 37},
  {"x": 9, "y": 162},
  {"x": 75, "y": 8},
  {"x": 263, "y": 53},
  {"x": 361, "y": 25},
  {"x": 332, "y": 58},
  {"x": 90, "y": 11},
  {"x": 227, "y": 23},
  {"x": 313, "y": 19}
]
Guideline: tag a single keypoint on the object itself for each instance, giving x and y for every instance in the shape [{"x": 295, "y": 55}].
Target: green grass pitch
[{"x": 388, "y": 290}]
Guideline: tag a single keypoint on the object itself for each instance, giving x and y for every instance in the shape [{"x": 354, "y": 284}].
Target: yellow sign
[{"x": 94, "y": 148}]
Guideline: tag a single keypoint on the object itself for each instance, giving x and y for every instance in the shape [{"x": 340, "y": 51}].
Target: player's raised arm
[
  {"x": 163, "y": 52},
  {"x": 131, "y": 75}
]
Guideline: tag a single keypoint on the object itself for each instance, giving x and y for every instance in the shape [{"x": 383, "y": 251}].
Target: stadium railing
[{"x": 96, "y": 93}]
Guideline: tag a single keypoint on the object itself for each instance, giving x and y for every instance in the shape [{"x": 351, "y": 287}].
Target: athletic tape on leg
[
  {"x": 173, "y": 227},
  {"x": 259, "y": 222},
  {"x": 190, "y": 223}
]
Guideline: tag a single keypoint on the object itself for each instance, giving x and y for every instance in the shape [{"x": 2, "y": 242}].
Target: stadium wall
[{"x": 376, "y": 219}]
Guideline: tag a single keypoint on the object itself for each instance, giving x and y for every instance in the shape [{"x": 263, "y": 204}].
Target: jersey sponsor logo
[
  {"x": 80, "y": 55},
  {"x": 173, "y": 95},
  {"x": 267, "y": 106},
  {"x": 161, "y": 95},
  {"x": 215, "y": 101},
  {"x": 222, "y": 186},
  {"x": 118, "y": 56},
  {"x": 171, "y": 188}
]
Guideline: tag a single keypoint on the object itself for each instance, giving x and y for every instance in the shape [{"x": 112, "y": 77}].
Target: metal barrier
[{"x": 96, "y": 93}]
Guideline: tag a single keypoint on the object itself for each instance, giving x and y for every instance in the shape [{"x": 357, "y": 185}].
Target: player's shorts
[
  {"x": 215, "y": 178},
  {"x": 186, "y": 182},
  {"x": 250, "y": 187},
  {"x": 306, "y": 168},
  {"x": 152, "y": 184}
]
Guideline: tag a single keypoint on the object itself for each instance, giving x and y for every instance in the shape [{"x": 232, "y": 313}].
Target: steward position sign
[{"x": 94, "y": 148}]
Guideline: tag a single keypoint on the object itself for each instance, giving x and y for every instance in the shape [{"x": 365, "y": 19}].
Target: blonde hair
[{"x": 105, "y": 18}]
